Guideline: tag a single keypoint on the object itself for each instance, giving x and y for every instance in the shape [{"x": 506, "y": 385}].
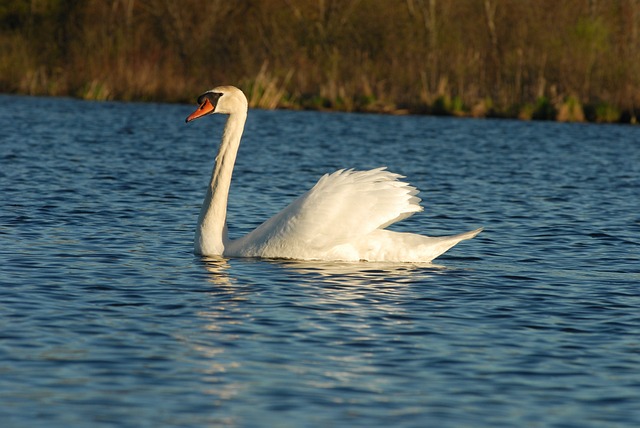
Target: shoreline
[{"x": 569, "y": 111}]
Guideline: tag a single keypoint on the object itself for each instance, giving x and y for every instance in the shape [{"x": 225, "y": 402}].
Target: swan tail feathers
[
  {"x": 467, "y": 235},
  {"x": 443, "y": 244}
]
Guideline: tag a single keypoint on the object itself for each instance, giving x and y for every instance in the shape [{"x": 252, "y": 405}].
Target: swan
[{"x": 342, "y": 218}]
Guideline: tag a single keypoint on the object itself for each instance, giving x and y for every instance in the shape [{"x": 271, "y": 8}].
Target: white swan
[{"x": 343, "y": 217}]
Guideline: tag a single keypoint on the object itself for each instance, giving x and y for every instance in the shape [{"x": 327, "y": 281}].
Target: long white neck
[{"x": 211, "y": 232}]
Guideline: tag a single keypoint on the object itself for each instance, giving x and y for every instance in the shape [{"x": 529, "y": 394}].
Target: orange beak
[{"x": 205, "y": 108}]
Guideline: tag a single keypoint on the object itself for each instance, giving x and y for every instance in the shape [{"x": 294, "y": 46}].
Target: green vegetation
[{"x": 570, "y": 60}]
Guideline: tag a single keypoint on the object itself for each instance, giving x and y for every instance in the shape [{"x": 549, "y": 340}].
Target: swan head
[{"x": 222, "y": 99}]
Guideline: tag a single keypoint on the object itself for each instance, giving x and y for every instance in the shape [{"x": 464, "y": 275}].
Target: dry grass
[
  {"x": 267, "y": 91},
  {"x": 539, "y": 60},
  {"x": 570, "y": 111}
]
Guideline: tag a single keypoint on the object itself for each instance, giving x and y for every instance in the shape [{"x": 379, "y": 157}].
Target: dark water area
[{"x": 107, "y": 319}]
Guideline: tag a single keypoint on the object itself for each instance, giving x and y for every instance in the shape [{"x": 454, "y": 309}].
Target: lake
[{"x": 109, "y": 320}]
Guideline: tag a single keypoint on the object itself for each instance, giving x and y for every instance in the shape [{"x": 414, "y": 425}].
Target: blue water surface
[{"x": 107, "y": 319}]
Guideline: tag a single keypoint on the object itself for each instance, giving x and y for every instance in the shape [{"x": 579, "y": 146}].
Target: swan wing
[{"x": 342, "y": 207}]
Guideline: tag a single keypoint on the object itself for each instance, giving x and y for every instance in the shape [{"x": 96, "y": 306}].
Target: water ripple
[{"x": 107, "y": 318}]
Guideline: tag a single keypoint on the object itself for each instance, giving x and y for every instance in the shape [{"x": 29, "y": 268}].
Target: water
[{"x": 107, "y": 319}]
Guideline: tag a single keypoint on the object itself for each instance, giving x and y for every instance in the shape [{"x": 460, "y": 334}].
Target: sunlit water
[{"x": 108, "y": 319}]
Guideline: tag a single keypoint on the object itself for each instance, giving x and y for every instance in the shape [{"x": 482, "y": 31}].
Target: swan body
[{"x": 343, "y": 217}]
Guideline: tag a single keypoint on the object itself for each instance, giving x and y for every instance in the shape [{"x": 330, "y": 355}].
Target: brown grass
[{"x": 469, "y": 58}]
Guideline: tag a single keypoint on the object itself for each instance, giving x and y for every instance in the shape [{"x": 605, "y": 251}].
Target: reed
[
  {"x": 96, "y": 90},
  {"x": 572, "y": 60},
  {"x": 603, "y": 112},
  {"x": 570, "y": 110},
  {"x": 265, "y": 90}
]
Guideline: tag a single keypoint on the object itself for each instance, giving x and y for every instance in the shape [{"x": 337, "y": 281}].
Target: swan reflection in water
[
  {"x": 362, "y": 273},
  {"x": 256, "y": 308},
  {"x": 310, "y": 271},
  {"x": 218, "y": 267}
]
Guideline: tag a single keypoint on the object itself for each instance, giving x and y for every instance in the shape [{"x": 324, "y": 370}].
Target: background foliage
[{"x": 543, "y": 59}]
